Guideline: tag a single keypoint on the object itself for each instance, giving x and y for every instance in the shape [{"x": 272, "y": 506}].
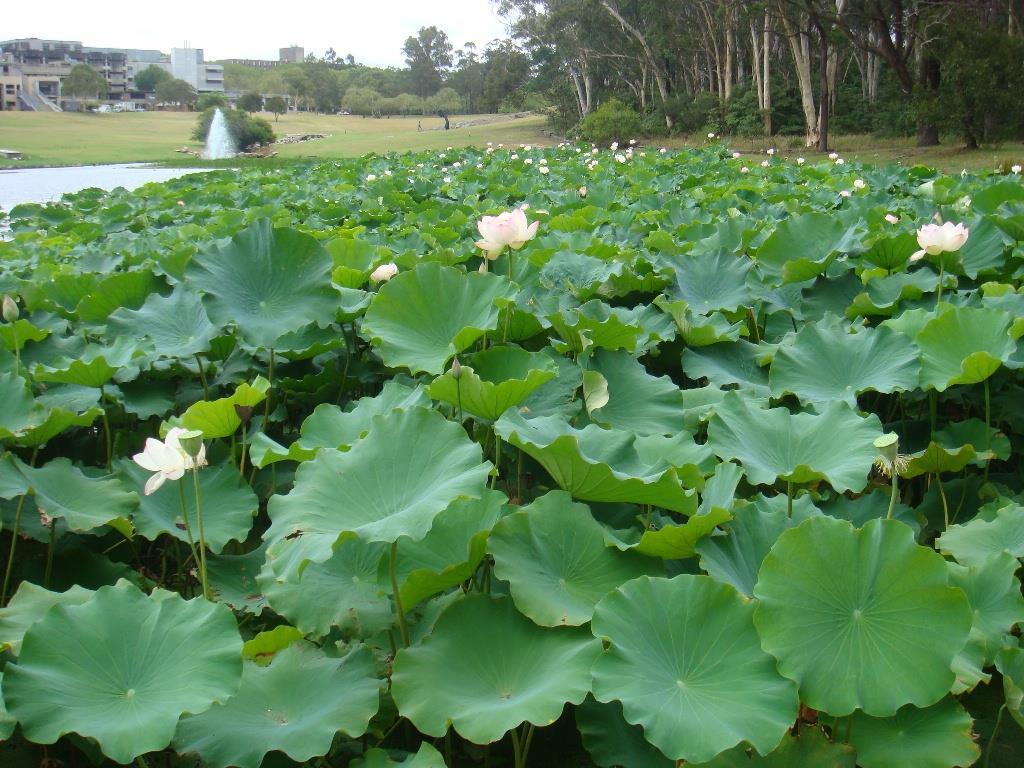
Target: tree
[
  {"x": 296, "y": 83},
  {"x": 445, "y": 102},
  {"x": 250, "y": 102},
  {"x": 361, "y": 101},
  {"x": 211, "y": 101},
  {"x": 148, "y": 79},
  {"x": 468, "y": 77},
  {"x": 324, "y": 89},
  {"x": 429, "y": 57},
  {"x": 276, "y": 105},
  {"x": 507, "y": 73},
  {"x": 84, "y": 82},
  {"x": 176, "y": 92}
]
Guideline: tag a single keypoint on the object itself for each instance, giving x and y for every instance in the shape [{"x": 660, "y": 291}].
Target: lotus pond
[{"x": 713, "y": 470}]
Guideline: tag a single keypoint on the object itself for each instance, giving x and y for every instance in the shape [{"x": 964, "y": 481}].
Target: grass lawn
[
  {"x": 83, "y": 139},
  {"x": 78, "y": 139}
]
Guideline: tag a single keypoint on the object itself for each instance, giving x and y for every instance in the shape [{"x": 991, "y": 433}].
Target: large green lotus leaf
[
  {"x": 554, "y": 557},
  {"x": 421, "y": 318},
  {"x": 85, "y": 503},
  {"x": 29, "y": 604},
  {"x": 994, "y": 592},
  {"x": 342, "y": 591},
  {"x": 596, "y": 464},
  {"x": 295, "y": 705},
  {"x": 451, "y": 552},
  {"x": 860, "y": 618},
  {"x": 835, "y": 445},
  {"x": 121, "y": 289},
  {"x": 724, "y": 364},
  {"x": 891, "y": 250},
  {"x": 713, "y": 280},
  {"x": 699, "y": 330},
  {"x": 7, "y": 723},
  {"x": 331, "y": 427},
  {"x": 824, "y": 364},
  {"x": 756, "y": 525},
  {"x": 973, "y": 542},
  {"x": 265, "y": 281},
  {"x": 636, "y": 401},
  {"x": 393, "y": 483},
  {"x": 227, "y": 501},
  {"x": 866, "y": 506},
  {"x": 94, "y": 365},
  {"x": 1010, "y": 663},
  {"x": 265, "y": 645},
  {"x": 122, "y": 667},
  {"x": 686, "y": 663},
  {"x": 811, "y": 749},
  {"x": 937, "y": 459},
  {"x": 177, "y": 324},
  {"x": 989, "y": 442},
  {"x": 493, "y": 381},
  {"x": 937, "y": 737},
  {"x": 233, "y": 580},
  {"x": 219, "y": 418},
  {"x": 964, "y": 345},
  {"x": 601, "y": 325},
  {"x": 488, "y": 669},
  {"x": 611, "y": 741},
  {"x": 426, "y": 757},
  {"x": 19, "y": 412},
  {"x": 884, "y": 292},
  {"x": 19, "y": 333},
  {"x": 57, "y": 420},
  {"x": 802, "y": 246}
]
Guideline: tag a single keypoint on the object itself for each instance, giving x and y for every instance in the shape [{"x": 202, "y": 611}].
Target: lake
[{"x": 44, "y": 185}]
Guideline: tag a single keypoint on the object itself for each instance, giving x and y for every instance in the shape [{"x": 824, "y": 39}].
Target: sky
[{"x": 371, "y": 30}]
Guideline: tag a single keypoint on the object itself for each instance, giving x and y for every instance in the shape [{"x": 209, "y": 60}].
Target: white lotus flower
[
  {"x": 845, "y": 193},
  {"x": 940, "y": 238},
  {"x": 1015, "y": 169},
  {"x": 632, "y": 142},
  {"x": 510, "y": 228},
  {"x": 371, "y": 177},
  {"x": 771, "y": 150},
  {"x": 614, "y": 146},
  {"x": 384, "y": 272},
  {"x": 840, "y": 161},
  {"x": 514, "y": 156},
  {"x": 736, "y": 155},
  {"x": 167, "y": 460},
  {"x": 594, "y": 151},
  {"x": 800, "y": 161},
  {"x": 765, "y": 163},
  {"x": 711, "y": 135},
  {"x": 528, "y": 160},
  {"x": 544, "y": 169},
  {"x": 620, "y": 158},
  {"x": 859, "y": 184},
  {"x": 833, "y": 156},
  {"x": 447, "y": 179},
  {"x": 582, "y": 191},
  {"x": 744, "y": 169},
  {"x": 892, "y": 219},
  {"x": 663, "y": 150}
]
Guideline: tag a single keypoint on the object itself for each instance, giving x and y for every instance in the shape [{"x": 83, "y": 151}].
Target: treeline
[
  {"x": 810, "y": 67},
  {"x": 437, "y": 78}
]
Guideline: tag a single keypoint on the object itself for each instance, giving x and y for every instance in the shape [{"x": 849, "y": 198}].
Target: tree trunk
[
  {"x": 659, "y": 76},
  {"x": 766, "y": 108},
  {"x": 824, "y": 95},
  {"x": 800, "y": 45},
  {"x": 927, "y": 131}
]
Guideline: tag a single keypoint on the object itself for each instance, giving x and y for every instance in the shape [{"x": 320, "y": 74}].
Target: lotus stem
[
  {"x": 270, "y": 378},
  {"x": 188, "y": 526},
  {"x": 14, "y": 543},
  {"x": 458, "y": 397},
  {"x": 893, "y": 495},
  {"x": 497, "y": 460},
  {"x": 202, "y": 536},
  {"x": 17, "y": 349},
  {"x": 988, "y": 427},
  {"x": 106, "y": 430},
  {"x": 992, "y": 738},
  {"x": 517, "y": 749},
  {"x": 202, "y": 377},
  {"x": 942, "y": 273},
  {"x": 945, "y": 503},
  {"x": 403, "y": 628},
  {"x": 789, "y": 499},
  {"x": 49, "y": 553},
  {"x": 241, "y": 458}
]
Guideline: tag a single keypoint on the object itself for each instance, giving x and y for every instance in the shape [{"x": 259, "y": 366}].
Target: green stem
[
  {"x": 933, "y": 408},
  {"x": 988, "y": 427},
  {"x": 849, "y": 727},
  {"x": 527, "y": 741},
  {"x": 141, "y": 761},
  {"x": 202, "y": 377},
  {"x": 753, "y": 325},
  {"x": 241, "y": 458},
  {"x": 403, "y": 628},
  {"x": 942, "y": 272},
  {"x": 517, "y": 749},
  {"x": 458, "y": 397},
  {"x": 945, "y": 503},
  {"x": 992, "y": 738},
  {"x": 497, "y": 460},
  {"x": 202, "y": 536},
  {"x": 49, "y": 553},
  {"x": 789, "y": 498},
  {"x": 270, "y": 378},
  {"x": 188, "y": 526},
  {"x": 893, "y": 495},
  {"x": 14, "y": 543},
  {"x": 106, "y": 430},
  {"x": 17, "y": 349}
]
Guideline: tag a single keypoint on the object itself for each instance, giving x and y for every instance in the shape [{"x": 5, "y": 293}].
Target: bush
[
  {"x": 612, "y": 121},
  {"x": 211, "y": 101},
  {"x": 247, "y": 131}
]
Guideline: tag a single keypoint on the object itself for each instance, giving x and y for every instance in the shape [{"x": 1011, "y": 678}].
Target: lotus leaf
[
  {"x": 426, "y": 757},
  {"x": 122, "y": 667},
  {"x": 842, "y": 609},
  {"x": 636, "y": 401},
  {"x": 29, "y": 604},
  {"x": 963, "y": 345},
  {"x": 694, "y": 693},
  {"x": 811, "y": 749},
  {"x": 937, "y": 737},
  {"x": 611, "y": 741},
  {"x": 177, "y": 324},
  {"x": 489, "y": 669},
  {"x": 972, "y": 543}
]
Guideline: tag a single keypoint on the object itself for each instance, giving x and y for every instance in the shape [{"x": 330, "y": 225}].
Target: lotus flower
[
  {"x": 892, "y": 219},
  {"x": 940, "y": 238},
  {"x": 771, "y": 151},
  {"x": 1014, "y": 169},
  {"x": 859, "y": 184},
  {"x": 510, "y": 228},
  {"x": 736, "y": 155},
  {"x": 10, "y": 309},
  {"x": 167, "y": 460},
  {"x": 800, "y": 161},
  {"x": 384, "y": 272}
]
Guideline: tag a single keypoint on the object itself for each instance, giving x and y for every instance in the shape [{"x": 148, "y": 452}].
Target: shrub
[
  {"x": 247, "y": 131},
  {"x": 612, "y": 121}
]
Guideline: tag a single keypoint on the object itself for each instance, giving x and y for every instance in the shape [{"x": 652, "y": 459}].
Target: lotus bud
[
  {"x": 765, "y": 163},
  {"x": 892, "y": 219},
  {"x": 456, "y": 369},
  {"x": 582, "y": 191},
  {"x": 711, "y": 135},
  {"x": 859, "y": 184},
  {"x": 10, "y": 309},
  {"x": 384, "y": 272},
  {"x": 191, "y": 442},
  {"x": 1015, "y": 169}
]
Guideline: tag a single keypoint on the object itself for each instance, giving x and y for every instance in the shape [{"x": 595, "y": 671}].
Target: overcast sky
[{"x": 371, "y": 30}]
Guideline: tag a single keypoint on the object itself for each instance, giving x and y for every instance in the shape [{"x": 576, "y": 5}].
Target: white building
[{"x": 187, "y": 64}]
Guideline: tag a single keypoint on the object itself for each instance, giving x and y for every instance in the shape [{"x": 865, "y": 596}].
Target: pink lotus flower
[
  {"x": 940, "y": 238},
  {"x": 510, "y": 228},
  {"x": 892, "y": 219},
  {"x": 167, "y": 460},
  {"x": 384, "y": 272}
]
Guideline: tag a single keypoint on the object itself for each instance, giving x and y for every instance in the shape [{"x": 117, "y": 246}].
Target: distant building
[
  {"x": 293, "y": 54},
  {"x": 253, "y": 63},
  {"x": 32, "y": 70}
]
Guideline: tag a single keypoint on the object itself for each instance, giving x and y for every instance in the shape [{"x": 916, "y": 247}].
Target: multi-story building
[{"x": 293, "y": 54}]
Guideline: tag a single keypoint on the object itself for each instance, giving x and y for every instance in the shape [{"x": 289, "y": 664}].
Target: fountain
[{"x": 219, "y": 143}]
